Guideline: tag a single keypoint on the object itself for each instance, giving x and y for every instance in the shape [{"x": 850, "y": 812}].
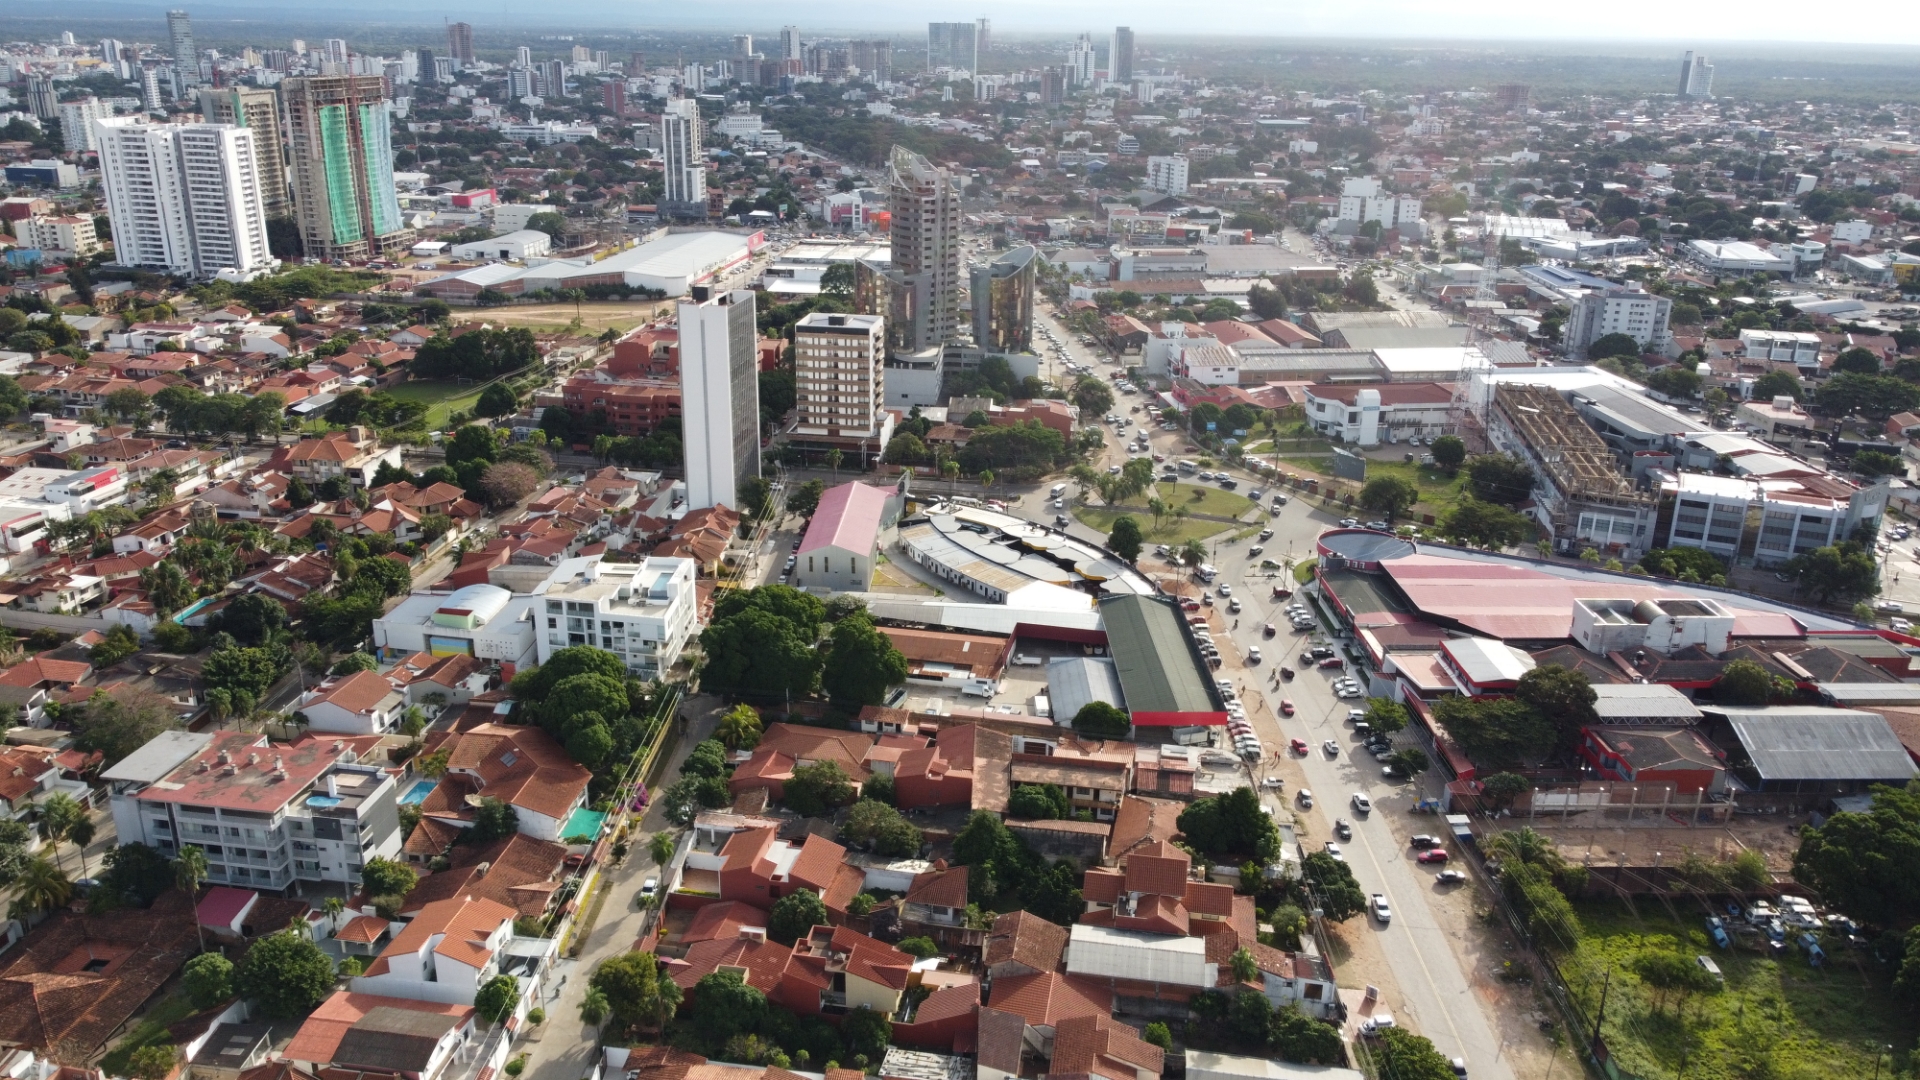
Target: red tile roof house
[
  {"x": 756, "y": 867},
  {"x": 383, "y": 1035},
  {"x": 224, "y": 909},
  {"x": 363, "y": 703},
  {"x": 521, "y": 766},
  {"x": 783, "y": 746},
  {"x": 837, "y": 551},
  {"x": 445, "y": 954}
]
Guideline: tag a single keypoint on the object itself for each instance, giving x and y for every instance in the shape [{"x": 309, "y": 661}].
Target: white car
[
  {"x": 1377, "y": 903},
  {"x": 650, "y": 887},
  {"x": 1361, "y": 804}
]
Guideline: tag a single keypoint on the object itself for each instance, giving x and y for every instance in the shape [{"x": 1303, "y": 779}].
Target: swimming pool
[
  {"x": 323, "y": 802},
  {"x": 418, "y": 793},
  {"x": 582, "y": 822}
]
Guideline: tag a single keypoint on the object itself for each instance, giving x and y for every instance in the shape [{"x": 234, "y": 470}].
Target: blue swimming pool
[
  {"x": 418, "y": 793},
  {"x": 583, "y": 822},
  {"x": 323, "y": 802}
]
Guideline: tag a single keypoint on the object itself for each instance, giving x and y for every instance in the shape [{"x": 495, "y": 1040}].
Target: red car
[
  {"x": 1432, "y": 855},
  {"x": 1286, "y": 706},
  {"x": 1333, "y": 662},
  {"x": 1190, "y": 605},
  {"x": 1299, "y": 746}
]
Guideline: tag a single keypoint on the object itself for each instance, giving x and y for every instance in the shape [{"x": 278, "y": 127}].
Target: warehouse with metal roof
[
  {"x": 1165, "y": 681},
  {"x": 1803, "y": 750}
]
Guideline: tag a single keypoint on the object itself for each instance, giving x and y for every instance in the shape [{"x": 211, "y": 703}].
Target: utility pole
[{"x": 1600, "y": 1015}]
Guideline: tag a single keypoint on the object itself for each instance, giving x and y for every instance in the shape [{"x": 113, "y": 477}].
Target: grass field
[
  {"x": 1781, "y": 1019},
  {"x": 595, "y": 316},
  {"x": 442, "y": 399},
  {"x": 1438, "y": 490},
  {"x": 1170, "y": 532}
]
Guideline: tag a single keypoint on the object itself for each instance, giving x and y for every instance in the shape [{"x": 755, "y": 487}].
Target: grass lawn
[
  {"x": 1212, "y": 500},
  {"x": 443, "y": 399},
  {"x": 1438, "y": 490},
  {"x": 1780, "y": 1019},
  {"x": 1171, "y": 531},
  {"x": 152, "y": 1028}
]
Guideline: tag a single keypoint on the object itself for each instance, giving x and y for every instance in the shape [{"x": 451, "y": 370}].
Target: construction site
[{"x": 1581, "y": 497}]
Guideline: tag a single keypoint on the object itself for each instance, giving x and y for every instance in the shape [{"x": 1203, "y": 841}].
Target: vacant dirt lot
[{"x": 594, "y": 317}]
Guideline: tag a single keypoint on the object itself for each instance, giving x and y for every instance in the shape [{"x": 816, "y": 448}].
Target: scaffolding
[{"x": 1578, "y": 464}]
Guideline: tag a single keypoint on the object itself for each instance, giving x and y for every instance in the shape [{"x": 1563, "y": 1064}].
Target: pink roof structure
[
  {"x": 848, "y": 518},
  {"x": 225, "y": 908}
]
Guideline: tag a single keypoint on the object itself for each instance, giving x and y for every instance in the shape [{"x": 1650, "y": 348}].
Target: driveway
[{"x": 565, "y": 1048}]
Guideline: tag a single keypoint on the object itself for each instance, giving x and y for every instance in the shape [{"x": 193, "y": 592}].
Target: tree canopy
[
  {"x": 285, "y": 974},
  {"x": 1231, "y": 828},
  {"x": 1500, "y": 478}
]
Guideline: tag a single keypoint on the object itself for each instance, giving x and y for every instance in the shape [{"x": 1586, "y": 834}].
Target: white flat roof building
[
  {"x": 483, "y": 621},
  {"x": 1734, "y": 257},
  {"x": 644, "y": 612},
  {"x": 517, "y": 246}
]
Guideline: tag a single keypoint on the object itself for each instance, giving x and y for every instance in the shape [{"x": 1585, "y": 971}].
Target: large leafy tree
[
  {"x": 1406, "y": 1056},
  {"x": 1231, "y": 828},
  {"x": 1339, "y": 895},
  {"x": 862, "y": 665},
  {"x": 876, "y": 825},
  {"x": 1126, "y": 539},
  {"x": 495, "y": 1000},
  {"x": 1102, "y": 721},
  {"x": 636, "y": 991},
  {"x": 1496, "y": 732},
  {"x": 794, "y": 915},
  {"x": 724, "y": 1006},
  {"x": 765, "y": 641},
  {"x": 1391, "y": 495},
  {"x": 1486, "y": 524},
  {"x": 285, "y": 974},
  {"x": 1038, "y": 802},
  {"x": 117, "y": 724},
  {"x": 1840, "y": 574},
  {"x": 1499, "y": 478},
  {"x": 1743, "y": 682},
  {"x": 1563, "y": 696},
  {"x": 816, "y": 788},
  {"x": 1875, "y": 397}
]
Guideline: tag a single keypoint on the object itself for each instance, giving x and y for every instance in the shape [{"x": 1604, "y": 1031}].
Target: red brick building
[{"x": 630, "y": 407}]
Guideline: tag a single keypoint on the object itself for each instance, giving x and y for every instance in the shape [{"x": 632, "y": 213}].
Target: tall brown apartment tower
[
  {"x": 918, "y": 291},
  {"x": 460, "y": 42},
  {"x": 340, "y": 146}
]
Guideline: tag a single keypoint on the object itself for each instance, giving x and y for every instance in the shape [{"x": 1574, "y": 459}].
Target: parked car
[
  {"x": 1305, "y": 799},
  {"x": 1424, "y": 841},
  {"x": 1433, "y": 855},
  {"x": 1333, "y": 849},
  {"x": 1450, "y": 877},
  {"x": 1286, "y": 706}
]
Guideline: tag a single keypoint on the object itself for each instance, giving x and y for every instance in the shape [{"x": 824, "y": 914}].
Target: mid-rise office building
[
  {"x": 1003, "y": 301},
  {"x": 1363, "y": 199},
  {"x": 339, "y": 136},
  {"x": 953, "y": 45},
  {"x": 461, "y": 43},
  {"x": 683, "y": 161},
  {"x": 184, "y": 198},
  {"x": 719, "y": 395},
  {"x": 918, "y": 292},
  {"x": 1696, "y": 76},
  {"x": 1053, "y": 84},
  {"x": 76, "y": 122},
  {"x": 839, "y": 365},
  {"x": 1167, "y": 174},
  {"x": 186, "y": 61},
  {"x": 1632, "y": 311},
  {"x": 1120, "y": 56},
  {"x": 258, "y": 109}
]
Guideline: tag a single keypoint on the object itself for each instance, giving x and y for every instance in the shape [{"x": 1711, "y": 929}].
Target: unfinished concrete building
[{"x": 1580, "y": 493}]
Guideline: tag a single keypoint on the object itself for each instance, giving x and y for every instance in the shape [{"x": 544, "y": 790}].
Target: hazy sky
[{"x": 1648, "y": 23}]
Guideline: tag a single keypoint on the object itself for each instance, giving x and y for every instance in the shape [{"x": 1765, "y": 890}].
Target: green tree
[
  {"x": 1299, "y": 1037},
  {"x": 1391, "y": 495},
  {"x": 1743, "y": 682},
  {"x": 1386, "y": 715},
  {"x": 881, "y": 828},
  {"x": 1340, "y": 897},
  {"x": 740, "y": 728},
  {"x": 493, "y": 820},
  {"x": 118, "y": 724},
  {"x": 1501, "y": 789},
  {"x": 1231, "y": 827},
  {"x": 1038, "y": 802},
  {"x": 1126, "y": 540},
  {"x": 1869, "y": 464},
  {"x": 817, "y": 788},
  {"x": 1449, "y": 451},
  {"x": 862, "y": 665},
  {"x": 385, "y": 877},
  {"x": 1874, "y": 397},
  {"x": 153, "y": 1061},
  {"x": 988, "y": 849},
  {"x": 866, "y": 1033},
  {"x": 661, "y": 847},
  {"x": 208, "y": 980},
  {"x": 1837, "y": 575},
  {"x": 1405, "y": 1056},
  {"x": 1496, "y": 732},
  {"x": 918, "y": 947},
  {"x": 1499, "y": 478},
  {"x": 1411, "y": 761},
  {"x": 1776, "y": 384},
  {"x": 1092, "y": 396},
  {"x": 497, "y": 399},
  {"x": 1486, "y": 524},
  {"x": 1563, "y": 696},
  {"x": 1675, "y": 382},
  {"x": 495, "y": 1000},
  {"x": 1244, "y": 967},
  {"x": 1156, "y": 1032},
  {"x": 794, "y": 915},
  {"x": 285, "y": 974},
  {"x": 40, "y": 886},
  {"x": 805, "y": 499},
  {"x": 1856, "y": 361},
  {"x": 635, "y": 991}
]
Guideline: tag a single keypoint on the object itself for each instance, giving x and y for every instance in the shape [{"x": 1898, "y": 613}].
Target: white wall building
[
  {"x": 76, "y": 122},
  {"x": 1639, "y": 314},
  {"x": 644, "y": 613},
  {"x": 517, "y": 246},
  {"x": 1167, "y": 174},
  {"x": 1362, "y": 200},
  {"x": 1365, "y": 415},
  {"x": 71, "y": 237},
  {"x": 719, "y": 395},
  {"x": 841, "y": 375},
  {"x": 265, "y": 814},
  {"x": 185, "y": 198},
  {"x": 1844, "y": 232},
  {"x": 1734, "y": 257},
  {"x": 682, "y": 159},
  {"x": 446, "y": 953},
  {"x": 1798, "y": 346},
  {"x": 482, "y": 621}
]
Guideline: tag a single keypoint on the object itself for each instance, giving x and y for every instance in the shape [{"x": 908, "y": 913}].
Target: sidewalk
[{"x": 564, "y": 1048}]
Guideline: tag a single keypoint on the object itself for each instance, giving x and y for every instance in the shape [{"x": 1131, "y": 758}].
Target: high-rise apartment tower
[
  {"x": 339, "y": 142},
  {"x": 953, "y": 45},
  {"x": 918, "y": 292},
  {"x": 1696, "y": 76},
  {"x": 719, "y": 395},
  {"x": 184, "y": 198},
  {"x": 460, "y": 43},
  {"x": 258, "y": 109},
  {"x": 683, "y": 161},
  {"x": 1120, "y": 56},
  {"x": 1003, "y": 301},
  {"x": 839, "y": 370},
  {"x": 186, "y": 61}
]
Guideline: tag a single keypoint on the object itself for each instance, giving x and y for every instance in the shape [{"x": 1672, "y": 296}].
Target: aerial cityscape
[{"x": 497, "y": 511}]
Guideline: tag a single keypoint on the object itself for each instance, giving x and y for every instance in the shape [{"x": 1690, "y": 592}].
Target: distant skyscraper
[
  {"x": 1120, "y": 56},
  {"x": 334, "y": 51},
  {"x": 790, "y": 43},
  {"x": 1053, "y": 84},
  {"x": 636, "y": 64},
  {"x": 519, "y": 83},
  {"x": 1003, "y": 301},
  {"x": 523, "y": 56},
  {"x": 873, "y": 58},
  {"x": 1512, "y": 97},
  {"x": 460, "y": 43},
  {"x": 982, "y": 39},
  {"x": 339, "y": 136},
  {"x": 719, "y": 395},
  {"x": 76, "y": 122},
  {"x": 953, "y": 45},
  {"x": 1083, "y": 60},
  {"x": 259, "y": 109},
  {"x": 683, "y": 160},
  {"x": 42, "y": 100},
  {"x": 1696, "y": 76},
  {"x": 918, "y": 291},
  {"x": 742, "y": 46},
  {"x": 152, "y": 93},
  {"x": 613, "y": 94},
  {"x": 182, "y": 197},
  {"x": 186, "y": 61},
  {"x": 553, "y": 75}
]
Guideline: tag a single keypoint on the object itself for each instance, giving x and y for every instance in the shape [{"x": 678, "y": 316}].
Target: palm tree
[
  {"x": 951, "y": 470},
  {"x": 1524, "y": 845},
  {"x": 189, "y": 870},
  {"x": 834, "y": 458},
  {"x": 333, "y": 907},
  {"x": 1245, "y": 967},
  {"x": 80, "y": 834},
  {"x": 41, "y": 886},
  {"x": 58, "y": 815},
  {"x": 661, "y": 848},
  {"x": 985, "y": 479},
  {"x": 1158, "y": 508},
  {"x": 595, "y": 1007}
]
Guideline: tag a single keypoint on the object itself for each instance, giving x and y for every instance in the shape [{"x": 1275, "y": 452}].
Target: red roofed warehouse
[{"x": 837, "y": 552}]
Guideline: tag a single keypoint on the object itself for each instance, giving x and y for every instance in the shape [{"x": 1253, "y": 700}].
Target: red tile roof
[
  {"x": 1045, "y": 999},
  {"x": 1158, "y": 868},
  {"x": 1102, "y": 1046},
  {"x": 1026, "y": 940}
]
